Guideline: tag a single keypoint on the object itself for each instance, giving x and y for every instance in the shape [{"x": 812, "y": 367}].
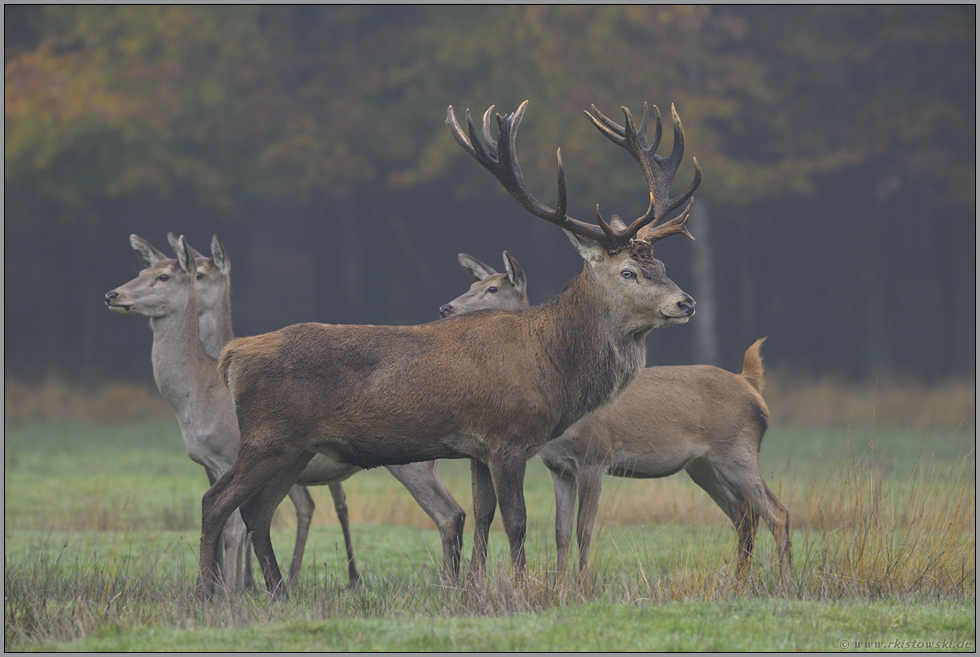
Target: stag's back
[{"x": 409, "y": 393}]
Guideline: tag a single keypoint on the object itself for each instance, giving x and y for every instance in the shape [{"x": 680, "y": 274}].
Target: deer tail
[{"x": 752, "y": 366}]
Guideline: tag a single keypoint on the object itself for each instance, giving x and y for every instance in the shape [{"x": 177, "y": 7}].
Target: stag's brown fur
[
  {"x": 492, "y": 387},
  {"x": 667, "y": 416}
]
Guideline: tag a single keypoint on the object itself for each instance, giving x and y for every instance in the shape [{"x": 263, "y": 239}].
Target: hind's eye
[
  {"x": 163, "y": 277},
  {"x": 199, "y": 276},
  {"x": 492, "y": 290}
]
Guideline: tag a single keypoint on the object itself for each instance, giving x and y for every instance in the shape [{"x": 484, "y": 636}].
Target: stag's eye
[
  {"x": 492, "y": 290},
  {"x": 163, "y": 277},
  {"x": 199, "y": 276},
  {"x": 628, "y": 274}
]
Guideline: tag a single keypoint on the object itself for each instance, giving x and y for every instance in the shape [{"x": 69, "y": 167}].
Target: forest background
[{"x": 836, "y": 216}]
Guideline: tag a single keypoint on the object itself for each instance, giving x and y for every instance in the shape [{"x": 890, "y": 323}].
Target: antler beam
[{"x": 501, "y": 160}]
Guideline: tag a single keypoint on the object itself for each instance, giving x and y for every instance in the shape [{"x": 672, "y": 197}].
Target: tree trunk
[{"x": 706, "y": 342}]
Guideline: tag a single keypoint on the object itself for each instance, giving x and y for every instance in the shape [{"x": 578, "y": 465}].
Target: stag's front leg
[
  {"x": 508, "y": 481},
  {"x": 484, "y": 506}
]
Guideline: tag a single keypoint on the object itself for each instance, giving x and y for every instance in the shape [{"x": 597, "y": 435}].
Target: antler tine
[
  {"x": 487, "y": 137},
  {"x": 659, "y": 178},
  {"x": 500, "y": 159},
  {"x": 678, "y": 224}
]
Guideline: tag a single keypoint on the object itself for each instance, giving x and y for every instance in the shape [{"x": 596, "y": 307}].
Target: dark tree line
[{"x": 837, "y": 213}]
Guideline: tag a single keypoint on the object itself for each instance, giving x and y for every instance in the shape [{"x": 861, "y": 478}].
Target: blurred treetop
[{"x": 239, "y": 102}]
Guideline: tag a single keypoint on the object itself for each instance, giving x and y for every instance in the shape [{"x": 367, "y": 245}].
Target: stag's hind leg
[
  {"x": 340, "y": 506},
  {"x": 257, "y": 513},
  {"x": 250, "y": 472}
]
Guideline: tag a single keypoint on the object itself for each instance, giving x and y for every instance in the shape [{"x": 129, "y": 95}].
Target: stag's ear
[
  {"x": 476, "y": 269},
  {"x": 515, "y": 273},
  {"x": 219, "y": 256},
  {"x": 185, "y": 256},
  {"x": 590, "y": 250},
  {"x": 148, "y": 255}
]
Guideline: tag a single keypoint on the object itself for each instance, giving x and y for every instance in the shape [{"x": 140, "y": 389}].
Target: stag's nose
[
  {"x": 686, "y": 305},
  {"x": 110, "y": 297},
  {"x": 445, "y": 310}
]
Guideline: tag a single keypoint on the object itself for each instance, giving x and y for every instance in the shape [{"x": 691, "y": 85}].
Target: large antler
[
  {"x": 501, "y": 161},
  {"x": 658, "y": 178}
]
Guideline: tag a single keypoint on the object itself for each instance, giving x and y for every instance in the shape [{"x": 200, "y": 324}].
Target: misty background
[{"x": 837, "y": 214}]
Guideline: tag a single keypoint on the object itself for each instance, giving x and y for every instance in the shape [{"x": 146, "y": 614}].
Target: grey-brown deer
[
  {"x": 213, "y": 282},
  {"x": 421, "y": 479},
  {"x": 492, "y": 387},
  {"x": 165, "y": 291},
  {"x": 702, "y": 419},
  {"x": 188, "y": 378},
  {"x": 490, "y": 290}
]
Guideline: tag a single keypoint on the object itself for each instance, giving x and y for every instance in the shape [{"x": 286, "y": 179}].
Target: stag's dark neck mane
[{"x": 592, "y": 360}]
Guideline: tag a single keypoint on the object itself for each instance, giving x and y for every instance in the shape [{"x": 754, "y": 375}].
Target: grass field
[{"x": 101, "y": 531}]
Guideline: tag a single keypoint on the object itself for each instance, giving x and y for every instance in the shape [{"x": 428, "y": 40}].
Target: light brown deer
[
  {"x": 697, "y": 418},
  {"x": 702, "y": 419},
  {"x": 493, "y": 387}
]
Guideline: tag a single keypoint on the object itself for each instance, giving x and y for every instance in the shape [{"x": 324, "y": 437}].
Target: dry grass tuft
[
  {"x": 804, "y": 404},
  {"x": 55, "y": 401}
]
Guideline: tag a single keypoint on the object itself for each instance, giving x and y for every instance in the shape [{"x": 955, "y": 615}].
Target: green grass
[{"x": 101, "y": 526}]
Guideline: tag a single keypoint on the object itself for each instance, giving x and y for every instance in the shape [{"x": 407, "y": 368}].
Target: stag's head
[
  {"x": 619, "y": 257},
  {"x": 213, "y": 275},
  {"x": 162, "y": 288}
]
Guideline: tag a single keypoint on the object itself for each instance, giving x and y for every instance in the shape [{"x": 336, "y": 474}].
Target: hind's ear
[
  {"x": 219, "y": 256},
  {"x": 145, "y": 251},
  {"x": 185, "y": 256},
  {"x": 515, "y": 273},
  {"x": 476, "y": 269}
]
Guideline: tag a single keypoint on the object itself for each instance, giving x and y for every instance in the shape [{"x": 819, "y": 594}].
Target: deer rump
[{"x": 379, "y": 395}]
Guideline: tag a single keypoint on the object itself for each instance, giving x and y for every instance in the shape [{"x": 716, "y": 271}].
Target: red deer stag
[
  {"x": 492, "y": 387},
  {"x": 702, "y": 419}
]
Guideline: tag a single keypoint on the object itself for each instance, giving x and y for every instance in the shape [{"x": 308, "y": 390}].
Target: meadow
[{"x": 101, "y": 536}]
